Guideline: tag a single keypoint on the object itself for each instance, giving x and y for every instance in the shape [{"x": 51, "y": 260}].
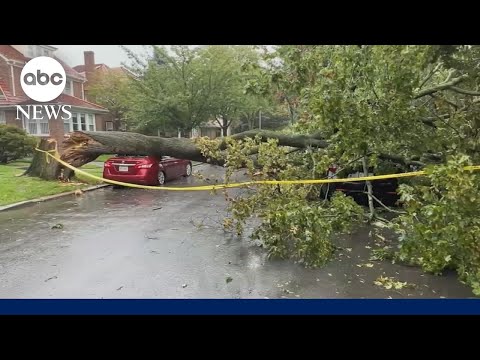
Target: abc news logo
[{"x": 43, "y": 79}]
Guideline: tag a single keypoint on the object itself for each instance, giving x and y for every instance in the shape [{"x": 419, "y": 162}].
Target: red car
[{"x": 145, "y": 170}]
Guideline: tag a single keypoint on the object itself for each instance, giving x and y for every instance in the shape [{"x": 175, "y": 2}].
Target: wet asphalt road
[{"x": 130, "y": 243}]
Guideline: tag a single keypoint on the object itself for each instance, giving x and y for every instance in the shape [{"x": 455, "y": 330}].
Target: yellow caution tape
[{"x": 246, "y": 183}]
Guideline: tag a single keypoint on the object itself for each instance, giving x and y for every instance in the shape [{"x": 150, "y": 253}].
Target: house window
[
  {"x": 83, "y": 122},
  {"x": 68, "y": 87},
  {"x": 91, "y": 122},
  {"x": 66, "y": 126},
  {"x": 74, "y": 121},
  {"x": 3, "y": 120},
  {"x": 109, "y": 125},
  {"x": 80, "y": 122},
  {"x": 38, "y": 125}
]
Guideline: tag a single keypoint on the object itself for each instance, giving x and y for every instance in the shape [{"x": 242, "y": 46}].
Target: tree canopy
[{"x": 181, "y": 88}]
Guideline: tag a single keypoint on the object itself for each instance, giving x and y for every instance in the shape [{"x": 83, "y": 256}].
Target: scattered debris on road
[
  {"x": 228, "y": 279},
  {"x": 57, "y": 226},
  {"x": 391, "y": 283},
  {"x": 51, "y": 278},
  {"x": 368, "y": 265}
]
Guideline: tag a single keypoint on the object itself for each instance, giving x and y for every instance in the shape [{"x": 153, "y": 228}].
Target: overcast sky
[{"x": 111, "y": 55}]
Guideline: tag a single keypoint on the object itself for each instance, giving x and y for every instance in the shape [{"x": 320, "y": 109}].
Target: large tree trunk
[
  {"x": 84, "y": 146},
  {"x": 43, "y": 166}
]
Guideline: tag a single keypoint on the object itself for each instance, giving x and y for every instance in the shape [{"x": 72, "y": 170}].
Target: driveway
[{"x": 130, "y": 243}]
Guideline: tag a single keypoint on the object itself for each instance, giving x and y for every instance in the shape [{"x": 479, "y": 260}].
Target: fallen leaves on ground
[
  {"x": 391, "y": 283},
  {"x": 368, "y": 265}
]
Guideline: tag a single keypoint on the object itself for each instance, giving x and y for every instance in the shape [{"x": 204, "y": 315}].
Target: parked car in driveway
[{"x": 145, "y": 170}]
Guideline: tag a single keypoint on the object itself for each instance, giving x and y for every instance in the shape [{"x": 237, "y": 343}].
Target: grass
[
  {"x": 104, "y": 157},
  {"x": 15, "y": 188},
  {"x": 91, "y": 169}
]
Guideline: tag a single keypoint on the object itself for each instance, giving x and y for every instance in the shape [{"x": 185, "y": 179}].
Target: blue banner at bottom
[{"x": 239, "y": 307}]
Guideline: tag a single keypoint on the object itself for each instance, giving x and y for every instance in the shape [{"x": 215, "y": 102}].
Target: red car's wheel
[
  {"x": 188, "y": 169},
  {"x": 161, "y": 178}
]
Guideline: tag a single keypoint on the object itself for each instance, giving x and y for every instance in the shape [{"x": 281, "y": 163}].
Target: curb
[{"x": 46, "y": 198}]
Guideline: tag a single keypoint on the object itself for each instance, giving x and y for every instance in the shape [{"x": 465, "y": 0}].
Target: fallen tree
[{"x": 83, "y": 147}]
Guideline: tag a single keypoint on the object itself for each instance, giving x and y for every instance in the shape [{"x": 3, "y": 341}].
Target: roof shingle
[
  {"x": 69, "y": 71},
  {"x": 11, "y": 53},
  {"x": 65, "y": 99}
]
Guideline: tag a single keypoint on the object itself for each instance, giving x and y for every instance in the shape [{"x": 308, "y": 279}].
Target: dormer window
[
  {"x": 36, "y": 50},
  {"x": 68, "y": 87},
  {"x": 31, "y": 51}
]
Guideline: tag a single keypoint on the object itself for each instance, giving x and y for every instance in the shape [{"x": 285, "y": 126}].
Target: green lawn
[
  {"x": 15, "y": 188},
  {"x": 91, "y": 169},
  {"x": 104, "y": 157}
]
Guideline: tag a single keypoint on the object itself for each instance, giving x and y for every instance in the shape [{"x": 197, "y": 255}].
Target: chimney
[{"x": 89, "y": 57}]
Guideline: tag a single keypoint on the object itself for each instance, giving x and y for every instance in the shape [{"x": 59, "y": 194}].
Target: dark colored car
[
  {"x": 145, "y": 170},
  {"x": 384, "y": 190}
]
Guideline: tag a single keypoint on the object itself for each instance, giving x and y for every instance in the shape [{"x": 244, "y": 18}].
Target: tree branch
[
  {"x": 430, "y": 75},
  {"x": 298, "y": 141},
  {"x": 383, "y": 205},
  {"x": 463, "y": 91},
  {"x": 443, "y": 86}
]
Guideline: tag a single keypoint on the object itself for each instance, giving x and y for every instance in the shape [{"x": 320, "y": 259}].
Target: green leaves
[
  {"x": 302, "y": 230},
  {"x": 15, "y": 143},
  {"x": 391, "y": 283},
  {"x": 440, "y": 230}
]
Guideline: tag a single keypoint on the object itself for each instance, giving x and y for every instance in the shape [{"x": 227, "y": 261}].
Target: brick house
[
  {"x": 93, "y": 72},
  {"x": 85, "y": 115}
]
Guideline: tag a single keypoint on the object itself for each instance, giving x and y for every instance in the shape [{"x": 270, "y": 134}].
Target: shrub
[{"x": 15, "y": 143}]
